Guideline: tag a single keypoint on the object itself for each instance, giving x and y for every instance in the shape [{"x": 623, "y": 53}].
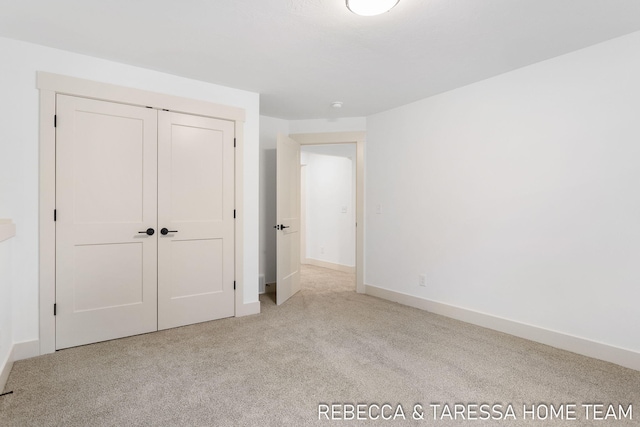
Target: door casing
[
  {"x": 358, "y": 138},
  {"x": 50, "y": 85}
]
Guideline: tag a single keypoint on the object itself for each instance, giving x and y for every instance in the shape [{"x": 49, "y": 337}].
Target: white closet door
[
  {"x": 106, "y": 194},
  {"x": 196, "y": 207}
]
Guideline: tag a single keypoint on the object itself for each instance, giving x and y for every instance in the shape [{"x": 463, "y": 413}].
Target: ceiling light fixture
[
  {"x": 370, "y": 7},
  {"x": 336, "y": 104}
]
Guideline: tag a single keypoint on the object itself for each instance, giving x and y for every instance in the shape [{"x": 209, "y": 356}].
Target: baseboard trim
[
  {"x": 620, "y": 356},
  {"x": 248, "y": 309},
  {"x": 26, "y": 350},
  {"x": 330, "y": 265},
  {"x": 5, "y": 369},
  {"x": 18, "y": 351}
]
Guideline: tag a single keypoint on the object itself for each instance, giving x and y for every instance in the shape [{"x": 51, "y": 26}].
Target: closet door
[
  {"x": 106, "y": 200},
  {"x": 196, "y": 219}
]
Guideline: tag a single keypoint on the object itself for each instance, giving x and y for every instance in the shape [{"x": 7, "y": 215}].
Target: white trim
[
  {"x": 5, "y": 369},
  {"x": 248, "y": 309},
  {"x": 239, "y": 224},
  {"x": 303, "y": 214},
  {"x": 7, "y": 229},
  {"x": 585, "y": 347},
  {"x": 47, "y": 231},
  {"x": 18, "y": 351},
  {"x": 25, "y": 350},
  {"x": 52, "y": 84},
  {"x": 125, "y": 95},
  {"x": 344, "y": 138},
  {"x": 330, "y": 265}
]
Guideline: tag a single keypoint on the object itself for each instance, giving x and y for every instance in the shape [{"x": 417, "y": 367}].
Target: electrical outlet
[
  {"x": 321, "y": 249},
  {"x": 422, "y": 280}
]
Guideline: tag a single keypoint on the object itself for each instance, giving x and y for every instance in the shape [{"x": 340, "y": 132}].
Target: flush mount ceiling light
[
  {"x": 370, "y": 7},
  {"x": 336, "y": 104}
]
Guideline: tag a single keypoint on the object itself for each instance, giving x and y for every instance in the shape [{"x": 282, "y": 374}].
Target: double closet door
[{"x": 144, "y": 220}]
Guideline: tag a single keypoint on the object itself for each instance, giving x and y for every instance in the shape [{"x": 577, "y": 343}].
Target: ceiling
[{"x": 301, "y": 55}]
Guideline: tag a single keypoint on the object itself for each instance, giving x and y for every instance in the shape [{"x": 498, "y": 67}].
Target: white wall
[
  {"x": 345, "y": 124},
  {"x": 19, "y": 155},
  {"x": 330, "y": 204},
  {"x": 347, "y": 150},
  {"x": 517, "y": 196},
  {"x": 269, "y": 129}
]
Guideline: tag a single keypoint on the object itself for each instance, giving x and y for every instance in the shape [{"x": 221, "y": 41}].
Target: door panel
[
  {"x": 107, "y": 144},
  {"x": 197, "y": 267},
  {"x": 288, "y": 215},
  {"x": 106, "y": 181},
  {"x": 125, "y": 281},
  {"x": 195, "y": 202},
  {"x": 197, "y": 178}
]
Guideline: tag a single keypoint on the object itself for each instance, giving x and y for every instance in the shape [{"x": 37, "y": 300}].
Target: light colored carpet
[{"x": 326, "y": 345}]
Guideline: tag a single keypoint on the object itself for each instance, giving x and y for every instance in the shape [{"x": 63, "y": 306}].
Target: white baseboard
[
  {"x": 330, "y": 265},
  {"x": 5, "y": 369},
  {"x": 18, "y": 351},
  {"x": 585, "y": 347},
  {"x": 247, "y": 309},
  {"x": 26, "y": 350}
]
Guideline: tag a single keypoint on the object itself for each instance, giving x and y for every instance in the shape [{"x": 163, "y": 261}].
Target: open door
[{"x": 288, "y": 217}]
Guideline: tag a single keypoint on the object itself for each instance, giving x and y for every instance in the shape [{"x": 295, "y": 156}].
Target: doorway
[
  {"x": 357, "y": 139},
  {"x": 328, "y": 201}
]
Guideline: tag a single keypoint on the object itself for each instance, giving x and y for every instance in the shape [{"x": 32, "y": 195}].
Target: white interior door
[
  {"x": 196, "y": 207},
  {"x": 106, "y": 181},
  {"x": 288, "y": 216}
]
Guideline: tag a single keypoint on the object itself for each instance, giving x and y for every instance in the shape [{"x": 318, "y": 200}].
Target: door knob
[
  {"x": 166, "y": 231},
  {"x": 282, "y": 226},
  {"x": 148, "y": 231}
]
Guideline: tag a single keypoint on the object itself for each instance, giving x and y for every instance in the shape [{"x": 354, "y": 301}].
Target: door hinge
[
  {"x": 234, "y": 142},
  {"x": 234, "y": 285},
  {"x": 55, "y": 309},
  {"x": 234, "y": 213},
  {"x": 55, "y": 120},
  {"x": 55, "y": 214}
]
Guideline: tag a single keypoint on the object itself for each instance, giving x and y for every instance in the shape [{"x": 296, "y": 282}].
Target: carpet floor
[{"x": 327, "y": 345}]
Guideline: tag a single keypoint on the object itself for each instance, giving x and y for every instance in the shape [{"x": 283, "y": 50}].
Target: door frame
[
  {"x": 359, "y": 139},
  {"x": 50, "y": 85},
  {"x": 303, "y": 213}
]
